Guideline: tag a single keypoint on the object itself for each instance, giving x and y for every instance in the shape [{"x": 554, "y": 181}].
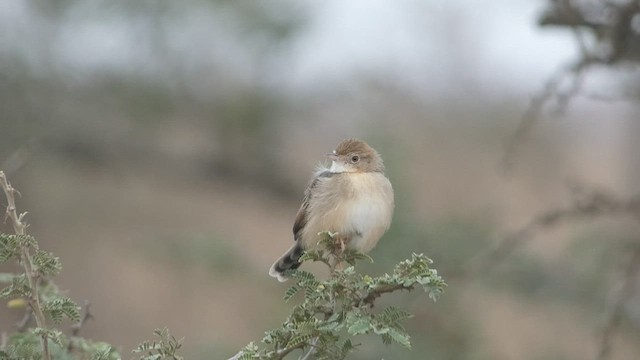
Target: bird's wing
[{"x": 301, "y": 217}]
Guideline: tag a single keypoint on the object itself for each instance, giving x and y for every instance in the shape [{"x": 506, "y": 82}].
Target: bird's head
[{"x": 353, "y": 155}]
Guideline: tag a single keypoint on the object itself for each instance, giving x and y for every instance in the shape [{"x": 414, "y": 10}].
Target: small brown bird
[{"x": 353, "y": 198}]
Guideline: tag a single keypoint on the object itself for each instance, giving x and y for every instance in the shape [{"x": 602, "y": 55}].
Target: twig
[
  {"x": 277, "y": 354},
  {"x": 21, "y": 325},
  {"x": 376, "y": 293},
  {"x": 623, "y": 292},
  {"x": 312, "y": 350},
  {"x": 574, "y": 72},
  {"x": 19, "y": 227},
  {"x": 75, "y": 328},
  {"x": 587, "y": 206}
]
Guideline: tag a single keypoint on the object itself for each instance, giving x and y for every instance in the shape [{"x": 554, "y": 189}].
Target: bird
[{"x": 353, "y": 197}]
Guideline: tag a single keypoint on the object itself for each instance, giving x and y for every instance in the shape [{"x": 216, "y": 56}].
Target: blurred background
[{"x": 162, "y": 148}]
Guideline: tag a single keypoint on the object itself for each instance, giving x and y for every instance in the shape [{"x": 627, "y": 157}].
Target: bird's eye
[{"x": 355, "y": 159}]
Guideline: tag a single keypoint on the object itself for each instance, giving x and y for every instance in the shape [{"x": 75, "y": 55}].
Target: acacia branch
[
  {"x": 372, "y": 295},
  {"x": 19, "y": 227}
]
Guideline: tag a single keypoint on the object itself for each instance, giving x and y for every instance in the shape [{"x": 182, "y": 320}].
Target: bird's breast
[{"x": 359, "y": 206}]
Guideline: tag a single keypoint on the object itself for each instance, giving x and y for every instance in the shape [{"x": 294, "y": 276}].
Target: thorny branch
[{"x": 19, "y": 227}]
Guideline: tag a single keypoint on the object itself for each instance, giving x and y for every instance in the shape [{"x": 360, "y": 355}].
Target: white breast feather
[{"x": 369, "y": 212}]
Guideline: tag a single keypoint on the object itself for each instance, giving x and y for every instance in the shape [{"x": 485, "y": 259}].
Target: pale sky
[
  {"x": 428, "y": 45},
  {"x": 494, "y": 41}
]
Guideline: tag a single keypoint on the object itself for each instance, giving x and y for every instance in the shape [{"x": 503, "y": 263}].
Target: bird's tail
[{"x": 288, "y": 261}]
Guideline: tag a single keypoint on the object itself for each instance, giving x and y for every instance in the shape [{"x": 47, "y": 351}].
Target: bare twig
[
  {"x": 19, "y": 227},
  {"x": 589, "y": 205},
  {"x": 311, "y": 351},
  {"x": 623, "y": 292},
  {"x": 75, "y": 328},
  {"x": 573, "y": 73},
  {"x": 21, "y": 325}
]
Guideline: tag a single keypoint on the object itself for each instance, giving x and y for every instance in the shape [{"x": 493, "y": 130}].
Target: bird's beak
[{"x": 332, "y": 156}]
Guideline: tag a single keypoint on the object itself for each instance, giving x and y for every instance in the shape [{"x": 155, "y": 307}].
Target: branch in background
[
  {"x": 75, "y": 328},
  {"x": 574, "y": 73},
  {"x": 616, "y": 41},
  {"x": 586, "y": 205},
  {"x": 624, "y": 291},
  {"x": 21, "y": 325},
  {"x": 26, "y": 260}
]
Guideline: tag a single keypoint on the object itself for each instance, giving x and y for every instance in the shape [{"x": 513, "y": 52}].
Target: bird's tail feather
[{"x": 288, "y": 261}]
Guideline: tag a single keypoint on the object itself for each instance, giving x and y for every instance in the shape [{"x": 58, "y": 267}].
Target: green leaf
[
  {"x": 54, "y": 335},
  {"x": 27, "y": 240},
  {"x": 6, "y": 278},
  {"x": 302, "y": 275},
  {"x": 299, "y": 339},
  {"x": 18, "y": 287},
  {"x": 332, "y": 306},
  {"x": 381, "y": 330},
  {"x": 59, "y": 307},
  {"x": 361, "y": 326},
  {"x": 393, "y": 314},
  {"x": 401, "y": 337},
  {"x": 291, "y": 292},
  {"x": 46, "y": 264},
  {"x": 9, "y": 247},
  {"x": 313, "y": 255},
  {"x": 165, "y": 348}
]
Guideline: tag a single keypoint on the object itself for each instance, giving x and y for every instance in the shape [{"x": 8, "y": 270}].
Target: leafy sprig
[
  {"x": 31, "y": 289},
  {"x": 334, "y": 311}
]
